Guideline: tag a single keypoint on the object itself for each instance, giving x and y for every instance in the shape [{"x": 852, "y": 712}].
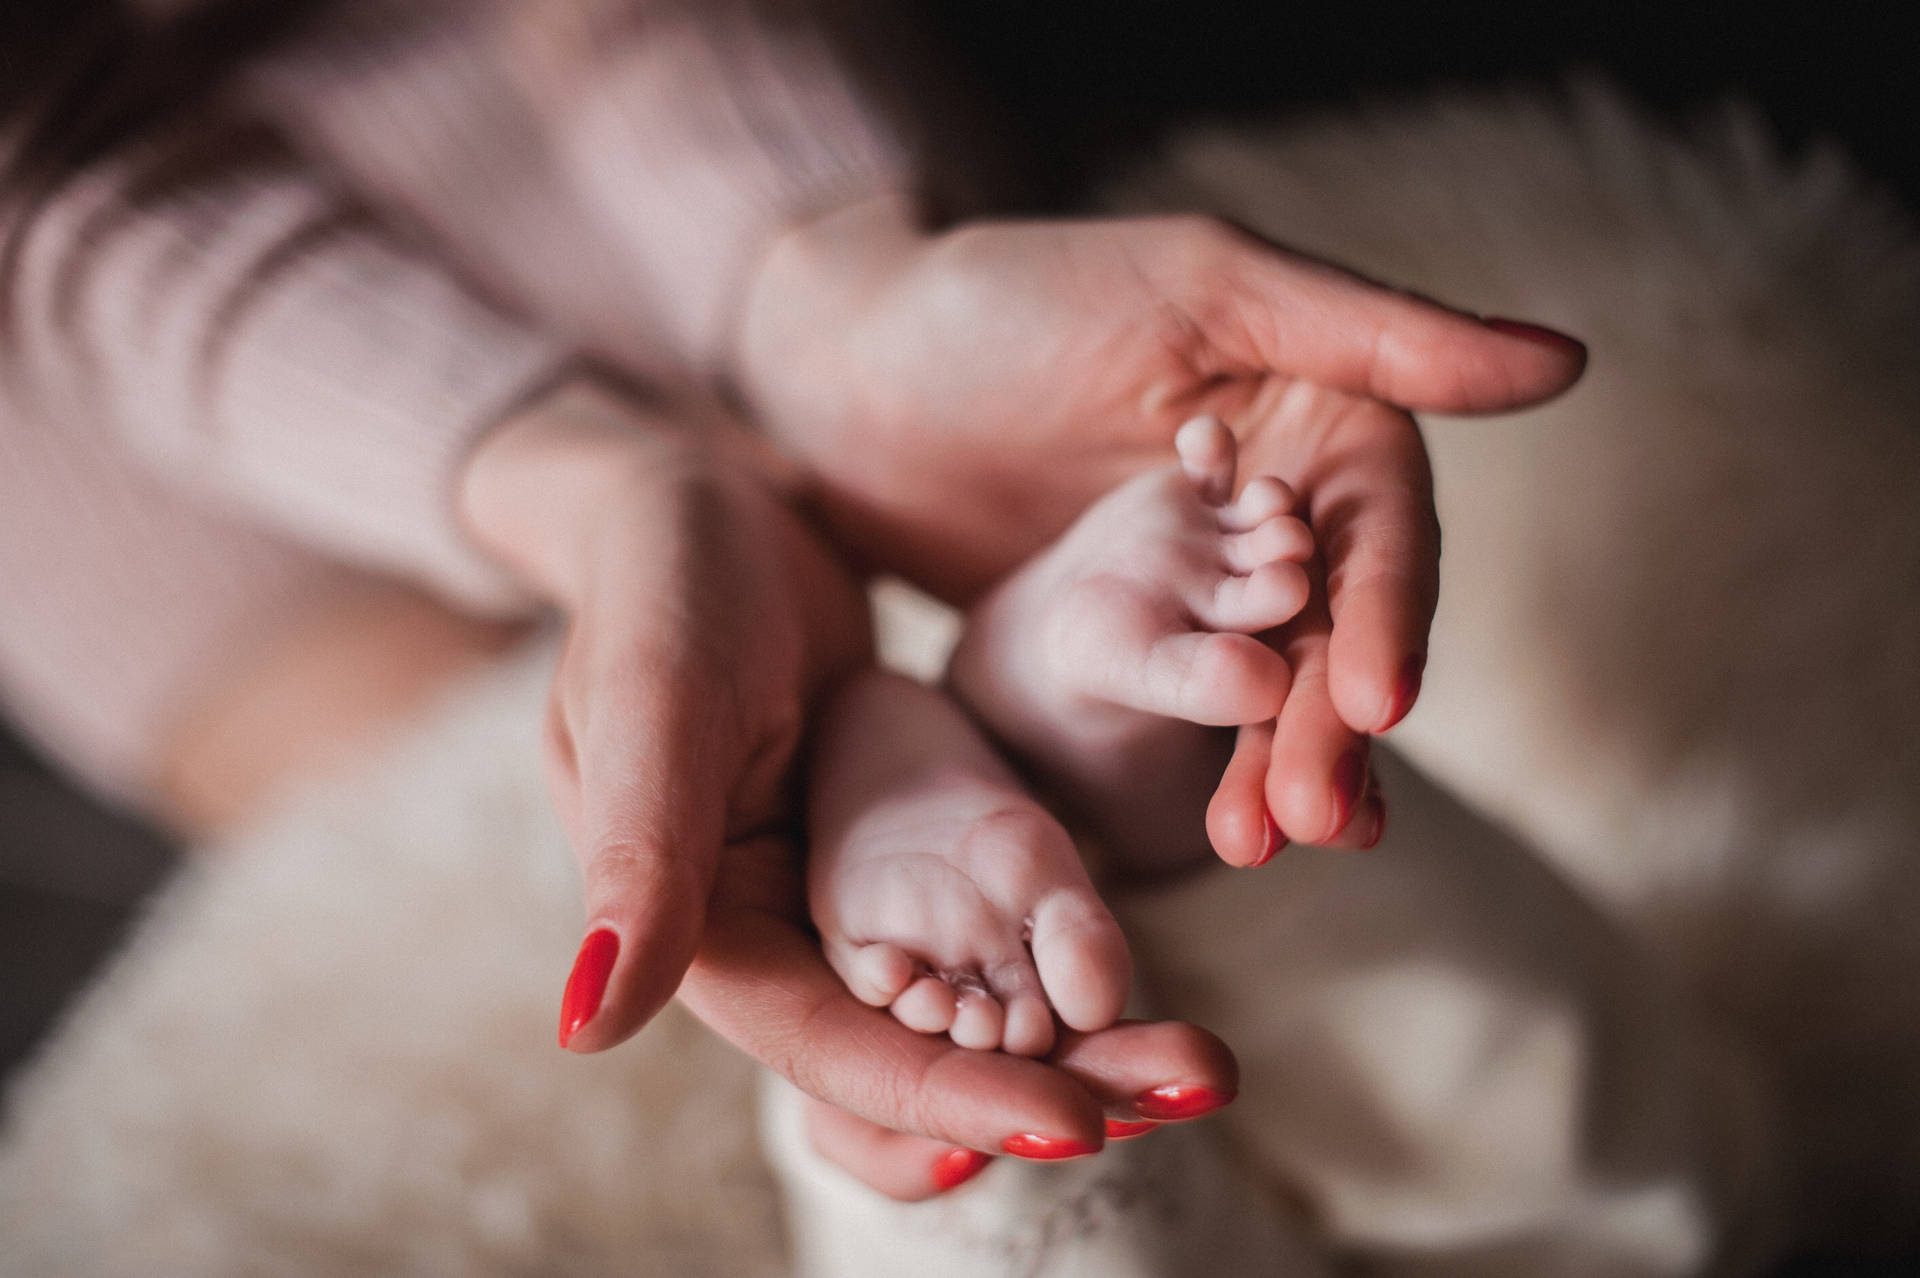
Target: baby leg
[
  {"x": 941, "y": 889},
  {"x": 1111, "y": 661}
]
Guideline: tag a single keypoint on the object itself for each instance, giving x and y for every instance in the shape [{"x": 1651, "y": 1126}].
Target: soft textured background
[{"x": 1089, "y": 81}]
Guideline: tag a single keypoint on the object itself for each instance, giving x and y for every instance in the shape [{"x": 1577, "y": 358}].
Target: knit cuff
[
  {"x": 245, "y": 329},
  {"x": 351, "y": 397}
]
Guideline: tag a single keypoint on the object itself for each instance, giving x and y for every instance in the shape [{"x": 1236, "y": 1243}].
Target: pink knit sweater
[{"x": 247, "y": 362}]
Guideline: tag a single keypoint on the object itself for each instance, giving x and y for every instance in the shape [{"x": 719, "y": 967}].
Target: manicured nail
[
  {"x": 1535, "y": 333},
  {"x": 1118, "y": 1129},
  {"x": 587, "y": 984},
  {"x": 1272, "y": 844},
  {"x": 1349, "y": 783},
  {"x": 1406, "y": 690},
  {"x": 1171, "y": 1104},
  {"x": 1047, "y": 1148},
  {"x": 958, "y": 1166}
]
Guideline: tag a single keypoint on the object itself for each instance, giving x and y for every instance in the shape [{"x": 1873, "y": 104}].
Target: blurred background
[
  {"x": 1090, "y": 80},
  {"x": 1083, "y": 85}
]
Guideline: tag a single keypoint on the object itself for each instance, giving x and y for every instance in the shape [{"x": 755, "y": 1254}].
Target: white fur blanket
[
  {"x": 1680, "y": 610},
  {"x": 1658, "y": 1019}
]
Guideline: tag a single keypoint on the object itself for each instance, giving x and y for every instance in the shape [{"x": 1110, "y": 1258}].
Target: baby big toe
[
  {"x": 1268, "y": 596},
  {"x": 877, "y": 974},
  {"x": 1082, "y": 959},
  {"x": 1221, "y": 680}
]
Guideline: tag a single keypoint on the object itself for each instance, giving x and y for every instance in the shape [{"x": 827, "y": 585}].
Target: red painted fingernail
[
  {"x": 1535, "y": 333},
  {"x": 1349, "y": 782},
  {"x": 958, "y": 1166},
  {"x": 1271, "y": 846},
  {"x": 1047, "y": 1148},
  {"x": 1118, "y": 1129},
  {"x": 1406, "y": 690},
  {"x": 1171, "y": 1104},
  {"x": 587, "y": 984}
]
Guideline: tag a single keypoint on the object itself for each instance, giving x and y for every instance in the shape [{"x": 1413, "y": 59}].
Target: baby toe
[
  {"x": 1029, "y": 1026},
  {"x": 1262, "y": 499},
  {"x": 877, "y": 974},
  {"x": 1208, "y": 454},
  {"x": 1268, "y": 596},
  {"x": 1221, "y": 680},
  {"x": 978, "y": 1022},
  {"x": 1281, "y": 538},
  {"x": 927, "y": 1006},
  {"x": 1082, "y": 959},
  {"x": 1027, "y": 1021}
]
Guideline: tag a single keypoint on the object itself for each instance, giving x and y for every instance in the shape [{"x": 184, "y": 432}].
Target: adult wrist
[
  {"x": 801, "y": 308},
  {"x": 540, "y": 488}
]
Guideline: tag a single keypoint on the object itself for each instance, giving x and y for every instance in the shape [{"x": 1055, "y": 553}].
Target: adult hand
[
  {"x": 961, "y": 397},
  {"x": 905, "y": 1105},
  {"x": 704, "y": 620}
]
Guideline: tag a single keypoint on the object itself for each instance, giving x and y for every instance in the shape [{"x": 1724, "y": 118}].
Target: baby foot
[
  {"x": 941, "y": 890},
  {"x": 1107, "y": 659}
]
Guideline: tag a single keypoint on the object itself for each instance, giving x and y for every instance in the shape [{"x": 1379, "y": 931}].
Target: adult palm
[{"x": 962, "y": 397}]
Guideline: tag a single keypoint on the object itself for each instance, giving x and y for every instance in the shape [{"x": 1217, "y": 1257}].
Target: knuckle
[
  {"x": 633, "y": 869},
  {"x": 1201, "y": 231}
]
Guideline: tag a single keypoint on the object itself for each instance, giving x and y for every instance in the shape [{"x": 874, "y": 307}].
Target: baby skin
[{"x": 1111, "y": 663}]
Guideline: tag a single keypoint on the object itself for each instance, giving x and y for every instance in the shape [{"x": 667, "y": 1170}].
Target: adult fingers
[
  {"x": 1362, "y": 470},
  {"x": 1269, "y": 309},
  {"x": 760, "y": 982},
  {"x": 901, "y": 1166},
  {"x": 648, "y": 821},
  {"x": 1374, "y": 519},
  {"x": 1155, "y": 1071},
  {"x": 1239, "y": 825},
  {"x": 1141, "y": 1073},
  {"x": 1317, "y": 773},
  {"x": 1369, "y": 823}
]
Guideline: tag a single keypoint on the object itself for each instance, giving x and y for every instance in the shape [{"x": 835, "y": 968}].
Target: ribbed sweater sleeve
[
  {"x": 615, "y": 166},
  {"x": 245, "y": 330}
]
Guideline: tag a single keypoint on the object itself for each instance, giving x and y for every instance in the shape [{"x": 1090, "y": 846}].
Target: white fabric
[{"x": 1679, "y": 622}]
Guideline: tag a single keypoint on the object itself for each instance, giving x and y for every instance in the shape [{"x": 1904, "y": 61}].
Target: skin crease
[{"x": 957, "y": 400}]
